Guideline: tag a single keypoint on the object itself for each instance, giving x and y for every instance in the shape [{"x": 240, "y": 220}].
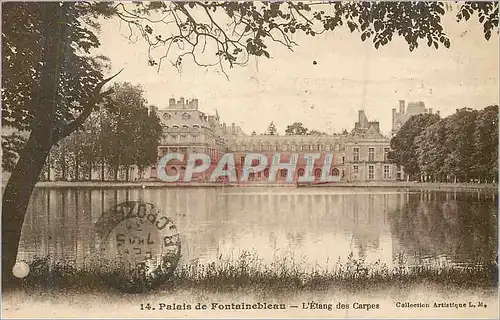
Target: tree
[
  {"x": 297, "y": 128},
  {"x": 486, "y": 144},
  {"x": 404, "y": 146},
  {"x": 316, "y": 133},
  {"x": 460, "y": 127},
  {"x": 462, "y": 147},
  {"x": 132, "y": 134},
  {"x": 432, "y": 152},
  {"x": 51, "y": 84},
  {"x": 271, "y": 130}
]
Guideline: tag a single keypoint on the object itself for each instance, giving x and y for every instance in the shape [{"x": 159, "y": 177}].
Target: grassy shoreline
[{"x": 248, "y": 272}]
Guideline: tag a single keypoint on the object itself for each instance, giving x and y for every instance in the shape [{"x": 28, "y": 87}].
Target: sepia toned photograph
[{"x": 239, "y": 159}]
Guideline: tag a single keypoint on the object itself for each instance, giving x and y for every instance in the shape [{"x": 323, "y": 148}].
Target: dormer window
[{"x": 166, "y": 116}]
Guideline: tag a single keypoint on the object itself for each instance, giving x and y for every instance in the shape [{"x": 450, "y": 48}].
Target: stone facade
[{"x": 360, "y": 155}]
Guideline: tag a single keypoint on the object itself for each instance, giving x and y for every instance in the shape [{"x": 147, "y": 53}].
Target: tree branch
[{"x": 87, "y": 110}]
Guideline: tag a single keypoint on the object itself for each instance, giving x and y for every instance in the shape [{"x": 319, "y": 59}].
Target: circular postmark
[{"x": 138, "y": 246}]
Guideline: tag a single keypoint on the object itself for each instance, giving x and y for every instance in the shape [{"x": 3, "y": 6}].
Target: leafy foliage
[
  {"x": 22, "y": 58},
  {"x": 404, "y": 145},
  {"x": 462, "y": 147},
  {"x": 233, "y": 31},
  {"x": 121, "y": 134},
  {"x": 11, "y": 146},
  {"x": 296, "y": 128}
]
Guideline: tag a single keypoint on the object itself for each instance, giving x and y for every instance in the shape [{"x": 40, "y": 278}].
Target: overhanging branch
[{"x": 87, "y": 108}]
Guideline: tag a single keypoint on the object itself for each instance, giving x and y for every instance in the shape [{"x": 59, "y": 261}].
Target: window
[
  {"x": 242, "y": 160},
  {"x": 194, "y": 138},
  {"x": 386, "y": 154},
  {"x": 355, "y": 154},
  {"x": 335, "y": 172},
  {"x": 355, "y": 169},
  {"x": 319, "y": 147},
  {"x": 266, "y": 172},
  {"x": 283, "y": 173},
  {"x": 387, "y": 172},
  {"x": 317, "y": 173},
  {"x": 370, "y": 173},
  {"x": 371, "y": 154},
  {"x": 300, "y": 172},
  {"x": 305, "y": 148},
  {"x": 343, "y": 159}
]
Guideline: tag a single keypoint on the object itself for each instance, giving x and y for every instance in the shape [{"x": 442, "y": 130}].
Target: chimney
[
  {"x": 181, "y": 101},
  {"x": 233, "y": 128},
  {"x": 437, "y": 112},
  {"x": 430, "y": 110},
  {"x": 401, "y": 106},
  {"x": 224, "y": 127},
  {"x": 171, "y": 102},
  {"x": 393, "y": 115},
  {"x": 361, "y": 113},
  {"x": 195, "y": 104}
]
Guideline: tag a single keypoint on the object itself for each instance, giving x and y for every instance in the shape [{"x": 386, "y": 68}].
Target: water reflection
[{"x": 317, "y": 226}]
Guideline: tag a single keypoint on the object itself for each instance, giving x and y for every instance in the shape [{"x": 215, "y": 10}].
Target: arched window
[
  {"x": 335, "y": 172},
  {"x": 317, "y": 173},
  {"x": 283, "y": 173},
  {"x": 301, "y": 172},
  {"x": 266, "y": 172}
]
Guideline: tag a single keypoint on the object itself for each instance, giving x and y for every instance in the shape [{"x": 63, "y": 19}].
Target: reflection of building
[
  {"x": 413, "y": 108},
  {"x": 358, "y": 156}
]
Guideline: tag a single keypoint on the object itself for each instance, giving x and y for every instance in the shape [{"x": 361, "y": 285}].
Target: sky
[{"x": 349, "y": 75}]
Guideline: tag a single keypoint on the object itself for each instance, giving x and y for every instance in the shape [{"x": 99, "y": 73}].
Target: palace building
[{"x": 361, "y": 155}]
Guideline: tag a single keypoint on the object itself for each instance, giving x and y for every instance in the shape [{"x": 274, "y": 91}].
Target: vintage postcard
[{"x": 250, "y": 159}]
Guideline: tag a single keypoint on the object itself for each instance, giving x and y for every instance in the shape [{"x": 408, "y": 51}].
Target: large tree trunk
[{"x": 24, "y": 177}]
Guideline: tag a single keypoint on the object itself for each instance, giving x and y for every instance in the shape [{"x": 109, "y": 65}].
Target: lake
[{"x": 314, "y": 226}]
